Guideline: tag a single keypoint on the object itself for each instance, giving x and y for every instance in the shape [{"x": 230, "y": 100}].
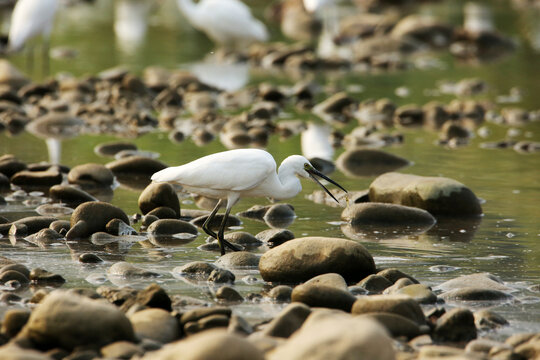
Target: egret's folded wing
[{"x": 236, "y": 170}]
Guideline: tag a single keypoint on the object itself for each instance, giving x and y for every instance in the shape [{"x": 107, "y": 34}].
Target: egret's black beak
[{"x": 312, "y": 172}]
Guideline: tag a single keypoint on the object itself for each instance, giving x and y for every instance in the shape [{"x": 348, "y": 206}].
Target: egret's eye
[{"x": 306, "y": 166}]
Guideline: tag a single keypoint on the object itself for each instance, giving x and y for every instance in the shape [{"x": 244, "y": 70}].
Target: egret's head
[{"x": 303, "y": 168}]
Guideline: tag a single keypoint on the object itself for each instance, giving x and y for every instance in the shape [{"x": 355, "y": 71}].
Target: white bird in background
[
  {"x": 234, "y": 174},
  {"x": 131, "y": 23},
  {"x": 229, "y": 23},
  {"x": 32, "y": 18},
  {"x": 327, "y": 11}
]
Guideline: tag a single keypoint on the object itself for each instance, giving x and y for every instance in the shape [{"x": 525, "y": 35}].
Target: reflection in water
[
  {"x": 381, "y": 232},
  {"x": 316, "y": 142},
  {"x": 224, "y": 76},
  {"x": 131, "y": 24},
  {"x": 478, "y": 18},
  {"x": 455, "y": 229},
  {"x": 54, "y": 147}
]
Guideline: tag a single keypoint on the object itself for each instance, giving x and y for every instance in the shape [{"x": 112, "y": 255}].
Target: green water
[{"x": 505, "y": 242}]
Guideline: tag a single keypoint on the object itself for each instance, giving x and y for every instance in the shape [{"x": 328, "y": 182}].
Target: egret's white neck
[
  {"x": 189, "y": 9},
  {"x": 290, "y": 183}
]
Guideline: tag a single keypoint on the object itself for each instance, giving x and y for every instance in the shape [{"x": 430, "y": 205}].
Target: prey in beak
[{"x": 314, "y": 172}]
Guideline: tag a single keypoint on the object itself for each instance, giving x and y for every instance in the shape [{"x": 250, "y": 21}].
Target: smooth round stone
[
  {"x": 243, "y": 238},
  {"x": 202, "y": 312},
  {"x": 401, "y": 283},
  {"x": 486, "y": 319},
  {"x": 280, "y": 293},
  {"x": 438, "y": 195},
  {"x": 171, "y": 227},
  {"x": 394, "y": 275},
  {"x": 44, "y": 237},
  {"x": 37, "y": 178},
  {"x": 211, "y": 344},
  {"x": 14, "y": 320},
  {"x": 419, "y": 292},
  {"x": 396, "y": 304},
  {"x": 136, "y": 165},
  {"x": 396, "y": 325},
  {"x": 12, "y": 275},
  {"x": 93, "y": 175},
  {"x": 480, "y": 280},
  {"x": 280, "y": 211},
  {"x": 331, "y": 280},
  {"x": 9, "y": 165},
  {"x": 32, "y": 224},
  {"x": 374, "y": 283},
  {"x": 321, "y": 295},
  {"x": 195, "y": 268},
  {"x": 117, "y": 227},
  {"x": 44, "y": 277},
  {"x": 91, "y": 217},
  {"x": 275, "y": 237},
  {"x": 155, "y": 324},
  {"x": 372, "y": 213},
  {"x": 330, "y": 335},
  {"x": 127, "y": 270},
  {"x": 156, "y": 195},
  {"x": 301, "y": 259},
  {"x": 238, "y": 260},
  {"x": 475, "y": 294},
  {"x": 122, "y": 350},
  {"x": 361, "y": 162},
  {"x": 89, "y": 258},
  {"x": 455, "y": 325},
  {"x": 69, "y": 195},
  {"x": 221, "y": 276},
  {"x": 85, "y": 323},
  {"x": 112, "y": 148},
  {"x": 228, "y": 294},
  {"x": 16, "y": 267},
  {"x": 163, "y": 212},
  {"x": 289, "y": 320}
]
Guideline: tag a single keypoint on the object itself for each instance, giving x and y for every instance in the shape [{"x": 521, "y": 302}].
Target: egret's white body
[
  {"x": 31, "y": 18},
  {"x": 227, "y": 22},
  {"x": 233, "y": 174}
]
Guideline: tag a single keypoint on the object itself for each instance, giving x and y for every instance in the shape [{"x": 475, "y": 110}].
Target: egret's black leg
[
  {"x": 209, "y": 219},
  {"x": 221, "y": 238}
]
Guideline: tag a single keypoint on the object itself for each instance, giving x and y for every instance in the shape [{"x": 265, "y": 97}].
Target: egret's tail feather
[{"x": 165, "y": 175}]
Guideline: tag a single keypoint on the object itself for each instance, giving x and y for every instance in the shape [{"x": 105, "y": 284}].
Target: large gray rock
[
  {"x": 69, "y": 195},
  {"x": 91, "y": 217},
  {"x": 69, "y": 321},
  {"x": 334, "y": 335},
  {"x": 438, "y": 195},
  {"x": 209, "y": 345},
  {"x": 366, "y": 162},
  {"x": 301, "y": 259},
  {"x": 157, "y": 195}
]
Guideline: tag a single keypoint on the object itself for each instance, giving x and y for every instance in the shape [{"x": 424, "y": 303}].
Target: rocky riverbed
[{"x": 431, "y": 255}]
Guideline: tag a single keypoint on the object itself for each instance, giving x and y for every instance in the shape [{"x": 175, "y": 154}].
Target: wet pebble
[
  {"x": 221, "y": 276},
  {"x": 280, "y": 293},
  {"x": 228, "y": 294},
  {"x": 129, "y": 271},
  {"x": 69, "y": 195},
  {"x": 157, "y": 195},
  {"x": 155, "y": 324},
  {"x": 91, "y": 217},
  {"x": 396, "y": 304},
  {"x": 287, "y": 321},
  {"x": 360, "y": 162},
  {"x": 91, "y": 175},
  {"x": 275, "y": 237},
  {"x": 456, "y": 325},
  {"x": 238, "y": 260}
]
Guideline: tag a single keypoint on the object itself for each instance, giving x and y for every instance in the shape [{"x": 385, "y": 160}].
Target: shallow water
[{"x": 504, "y": 242}]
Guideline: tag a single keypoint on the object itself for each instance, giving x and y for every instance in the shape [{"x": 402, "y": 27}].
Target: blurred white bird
[
  {"x": 231, "y": 175},
  {"x": 32, "y": 18},
  {"x": 229, "y": 23},
  {"x": 131, "y": 23}
]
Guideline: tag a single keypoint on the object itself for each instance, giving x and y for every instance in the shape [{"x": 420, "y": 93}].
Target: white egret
[
  {"x": 227, "y": 22},
  {"x": 32, "y": 18},
  {"x": 234, "y": 174}
]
